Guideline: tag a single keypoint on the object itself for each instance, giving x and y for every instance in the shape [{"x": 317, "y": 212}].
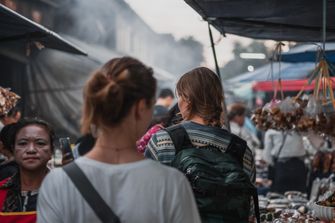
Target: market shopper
[
  {"x": 284, "y": 152},
  {"x": 32, "y": 146},
  {"x": 118, "y": 104},
  {"x": 163, "y": 103},
  {"x": 200, "y": 102},
  {"x": 236, "y": 116},
  {"x": 171, "y": 118}
]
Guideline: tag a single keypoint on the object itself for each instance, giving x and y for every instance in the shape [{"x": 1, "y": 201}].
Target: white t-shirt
[
  {"x": 143, "y": 191},
  {"x": 291, "y": 147}
]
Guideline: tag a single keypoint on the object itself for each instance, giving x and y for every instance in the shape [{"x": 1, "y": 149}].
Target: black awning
[
  {"x": 292, "y": 20},
  {"x": 17, "y": 29}
]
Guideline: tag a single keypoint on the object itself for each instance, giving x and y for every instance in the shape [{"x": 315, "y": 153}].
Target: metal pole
[
  {"x": 214, "y": 53},
  {"x": 224, "y": 106},
  {"x": 324, "y": 24}
]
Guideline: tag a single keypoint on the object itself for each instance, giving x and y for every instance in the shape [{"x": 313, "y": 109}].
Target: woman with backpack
[
  {"x": 200, "y": 102},
  {"x": 120, "y": 185}
]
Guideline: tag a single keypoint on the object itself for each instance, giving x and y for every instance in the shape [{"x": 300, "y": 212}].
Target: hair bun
[
  {"x": 112, "y": 91},
  {"x": 105, "y": 93}
]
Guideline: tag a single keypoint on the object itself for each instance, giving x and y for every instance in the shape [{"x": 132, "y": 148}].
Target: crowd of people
[{"x": 182, "y": 165}]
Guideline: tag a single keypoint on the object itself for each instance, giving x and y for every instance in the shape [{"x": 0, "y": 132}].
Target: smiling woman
[{"x": 32, "y": 145}]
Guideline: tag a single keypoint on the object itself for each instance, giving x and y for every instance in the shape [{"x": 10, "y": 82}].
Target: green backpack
[{"x": 221, "y": 188}]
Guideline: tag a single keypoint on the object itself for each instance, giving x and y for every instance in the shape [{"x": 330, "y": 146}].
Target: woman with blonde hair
[{"x": 118, "y": 104}]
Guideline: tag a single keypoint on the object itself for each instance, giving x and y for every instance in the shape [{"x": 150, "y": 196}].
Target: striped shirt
[{"x": 161, "y": 147}]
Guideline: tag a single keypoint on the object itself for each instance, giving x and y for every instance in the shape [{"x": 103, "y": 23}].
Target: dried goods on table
[
  {"x": 8, "y": 100},
  {"x": 324, "y": 163},
  {"x": 290, "y": 207},
  {"x": 329, "y": 201},
  {"x": 325, "y": 209}
]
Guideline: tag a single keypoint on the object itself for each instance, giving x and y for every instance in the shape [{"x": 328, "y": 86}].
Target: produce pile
[
  {"x": 291, "y": 207},
  {"x": 329, "y": 201},
  {"x": 324, "y": 162},
  {"x": 8, "y": 100},
  {"x": 315, "y": 112}
]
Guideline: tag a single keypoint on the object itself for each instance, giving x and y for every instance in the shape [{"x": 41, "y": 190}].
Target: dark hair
[
  {"x": 113, "y": 90},
  {"x": 236, "y": 109},
  {"x": 6, "y": 135},
  {"x": 85, "y": 143},
  {"x": 171, "y": 118},
  {"x": 12, "y": 113},
  {"x": 166, "y": 92},
  {"x": 202, "y": 89},
  {"x": 32, "y": 121}
]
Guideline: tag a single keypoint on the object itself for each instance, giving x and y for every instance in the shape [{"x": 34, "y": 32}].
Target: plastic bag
[{"x": 313, "y": 107}]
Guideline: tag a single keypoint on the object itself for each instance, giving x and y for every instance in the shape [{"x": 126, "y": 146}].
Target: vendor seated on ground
[{"x": 32, "y": 146}]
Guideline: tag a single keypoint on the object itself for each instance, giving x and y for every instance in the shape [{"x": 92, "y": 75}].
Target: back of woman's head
[
  {"x": 113, "y": 89},
  {"x": 202, "y": 89},
  {"x": 27, "y": 122}
]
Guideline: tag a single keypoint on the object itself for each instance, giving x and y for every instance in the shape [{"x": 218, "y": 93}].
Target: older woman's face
[{"x": 32, "y": 149}]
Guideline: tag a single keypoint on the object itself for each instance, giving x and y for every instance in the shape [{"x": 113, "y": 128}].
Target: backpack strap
[
  {"x": 256, "y": 205},
  {"x": 84, "y": 186},
  {"x": 236, "y": 148},
  {"x": 181, "y": 140},
  {"x": 179, "y": 137}
]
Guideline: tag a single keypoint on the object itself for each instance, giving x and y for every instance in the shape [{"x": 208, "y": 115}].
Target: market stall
[{"x": 291, "y": 21}]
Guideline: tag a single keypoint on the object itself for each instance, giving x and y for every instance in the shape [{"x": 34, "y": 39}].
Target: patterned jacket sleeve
[
  {"x": 249, "y": 165},
  {"x": 161, "y": 148}
]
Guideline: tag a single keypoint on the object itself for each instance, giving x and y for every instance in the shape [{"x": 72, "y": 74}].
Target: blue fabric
[
  {"x": 286, "y": 71},
  {"x": 310, "y": 56}
]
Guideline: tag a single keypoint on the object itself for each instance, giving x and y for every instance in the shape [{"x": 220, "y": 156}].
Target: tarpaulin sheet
[
  {"x": 309, "y": 53},
  {"x": 298, "y": 20},
  {"x": 56, "y": 81},
  {"x": 17, "y": 30}
]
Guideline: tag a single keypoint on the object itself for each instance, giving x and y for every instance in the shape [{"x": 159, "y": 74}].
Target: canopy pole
[
  {"x": 214, "y": 53},
  {"x": 224, "y": 106},
  {"x": 324, "y": 24}
]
